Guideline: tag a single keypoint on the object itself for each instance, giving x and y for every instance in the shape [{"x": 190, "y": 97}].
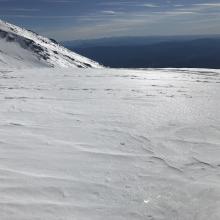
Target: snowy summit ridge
[{"x": 22, "y": 48}]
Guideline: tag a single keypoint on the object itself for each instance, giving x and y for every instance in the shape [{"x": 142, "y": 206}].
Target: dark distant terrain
[{"x": 155, "y": 52}]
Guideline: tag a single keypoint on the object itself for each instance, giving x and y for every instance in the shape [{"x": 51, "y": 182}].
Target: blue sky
[{"x": 85, "y": 19}]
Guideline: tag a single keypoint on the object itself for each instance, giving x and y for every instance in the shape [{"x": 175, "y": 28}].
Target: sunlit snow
[
  {"x": 110, "y": 144},
  {"x": 99, "y": 143}
]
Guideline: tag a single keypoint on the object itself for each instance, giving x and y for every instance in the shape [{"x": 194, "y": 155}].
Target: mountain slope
[{"x": 22, "y": 48}]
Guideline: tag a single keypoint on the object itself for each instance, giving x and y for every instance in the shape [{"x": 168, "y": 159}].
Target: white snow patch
[{"x": 110, "y": 144}]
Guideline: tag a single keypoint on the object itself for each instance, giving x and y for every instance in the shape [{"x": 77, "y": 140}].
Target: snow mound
[{"x": 23, "y": 48}]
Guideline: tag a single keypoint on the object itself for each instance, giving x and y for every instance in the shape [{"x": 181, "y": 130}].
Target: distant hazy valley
[{"x": 152, "y": 52}]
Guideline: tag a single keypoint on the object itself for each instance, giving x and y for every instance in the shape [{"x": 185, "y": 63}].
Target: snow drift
[
  {"x": 94, "y": 144},
  {"x": 22, "y": 48}
]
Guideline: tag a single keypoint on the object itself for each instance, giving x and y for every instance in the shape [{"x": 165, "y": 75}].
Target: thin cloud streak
[{"x": 66, "y": 19}]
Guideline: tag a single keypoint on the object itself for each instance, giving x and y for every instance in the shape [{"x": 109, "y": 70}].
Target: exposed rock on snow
[{"x": 22, "y": 48}]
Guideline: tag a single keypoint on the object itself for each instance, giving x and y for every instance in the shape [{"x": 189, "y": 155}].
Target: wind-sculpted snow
[
  {"x": 21, "y": 48},
  {"x": 110, "y": 144}
]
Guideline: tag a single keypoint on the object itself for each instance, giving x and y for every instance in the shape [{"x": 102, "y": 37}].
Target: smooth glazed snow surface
[{"x": 91, "y": 144}]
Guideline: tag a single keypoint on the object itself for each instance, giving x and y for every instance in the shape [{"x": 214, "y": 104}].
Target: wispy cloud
[
  {"x": 109, "y": 12},
  {"x": 208, "y": 4},
  {"x": 149, "y": 5},
  {"x": 67, "y": 19},
  {"x": 20, "y": 9}
]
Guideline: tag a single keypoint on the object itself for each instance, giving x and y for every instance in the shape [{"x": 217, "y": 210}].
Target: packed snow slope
[
  {"x": 94, "y": 144},
  {"x": 21, "y": 48}
]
